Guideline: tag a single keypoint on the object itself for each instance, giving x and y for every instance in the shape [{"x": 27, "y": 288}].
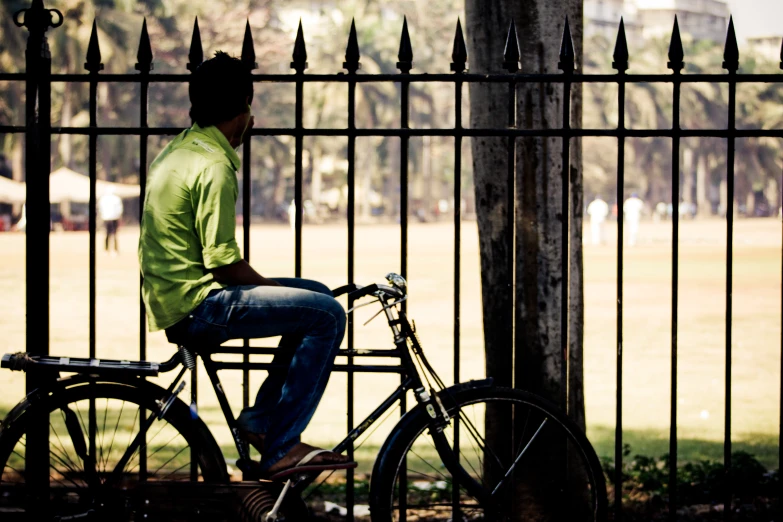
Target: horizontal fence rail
[{"x": 38, "y": 130}]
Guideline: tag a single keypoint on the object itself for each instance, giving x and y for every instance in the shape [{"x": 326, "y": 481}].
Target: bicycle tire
[
  {"x": 79, "y": 489},
  {"x": 578, "y": 494}
]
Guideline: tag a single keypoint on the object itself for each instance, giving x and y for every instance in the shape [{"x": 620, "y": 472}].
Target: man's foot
[{"x": 306, "y": 458}]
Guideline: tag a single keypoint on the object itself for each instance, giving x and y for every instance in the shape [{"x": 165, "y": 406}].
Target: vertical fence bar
[
  {"x": 38, "y": 65},
  {"x": 299, "y": 64},
  {"x": 195, "y": 57},
  {"x": 511, "y": 64},
  {"x": 511, "y": 56},
  {"x": 459, "y": 58},
  {"x": 567, "y": 66},
  {"x": 621, "y": 64},
  {"x": 93, "y": 65},
  {"x": 352, "y": 65},
  {"x": 731, "y": 64},
  {"x": 404, "y": 65},
  {"x": 248, "y": 58},
  {"x": 144, "y": 66},
  {"x": 676, "y": 56},
  {"x": 298, "y": 203}
]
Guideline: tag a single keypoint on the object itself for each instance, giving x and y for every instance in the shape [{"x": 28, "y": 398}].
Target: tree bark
[
  {"x": 536, "y": 358},
  {"x": 529, "y": 356}
]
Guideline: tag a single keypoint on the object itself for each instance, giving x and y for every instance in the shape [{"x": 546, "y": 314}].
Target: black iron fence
[{"x": 38, "y": 133}]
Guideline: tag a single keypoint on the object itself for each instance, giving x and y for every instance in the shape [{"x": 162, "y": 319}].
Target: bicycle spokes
[
  {"x": 528, "y": 469},
  {"x": 80, "y": 446},
  {"x": 120, "y": 448}
]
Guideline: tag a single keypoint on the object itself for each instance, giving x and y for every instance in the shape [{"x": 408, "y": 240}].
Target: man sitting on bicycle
[{"x": 201, "y": 292}]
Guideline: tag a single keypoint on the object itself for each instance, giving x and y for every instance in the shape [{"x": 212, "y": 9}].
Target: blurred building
[
  {"x": 645, "y": 19},
  {"x": 602, "y": 17},
  {"x": 768, "y": 47},
  {"x": 702, "y": 19}
]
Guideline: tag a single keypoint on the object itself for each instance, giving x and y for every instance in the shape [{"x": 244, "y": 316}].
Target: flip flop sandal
[{"x": 303, "y": 466}]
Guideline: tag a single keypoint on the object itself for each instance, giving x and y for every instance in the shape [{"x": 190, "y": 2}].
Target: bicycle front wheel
[
  {"x": 518, "y": 458},
  {"x": 91, "y": 427}
]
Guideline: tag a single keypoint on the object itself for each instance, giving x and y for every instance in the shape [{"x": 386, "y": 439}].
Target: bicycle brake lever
[
  {"x": 360, "y": 305},
  {"x": 373, "y": 317}
]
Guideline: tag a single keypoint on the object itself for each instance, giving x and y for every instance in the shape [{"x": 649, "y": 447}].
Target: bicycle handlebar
[{"x": 357, "y": 292}]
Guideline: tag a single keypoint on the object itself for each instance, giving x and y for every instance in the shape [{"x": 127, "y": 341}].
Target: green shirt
[{"x": 189, "y": 223}]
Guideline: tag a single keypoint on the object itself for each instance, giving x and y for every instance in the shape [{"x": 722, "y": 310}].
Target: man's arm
[{"x": 240, "y": 273}]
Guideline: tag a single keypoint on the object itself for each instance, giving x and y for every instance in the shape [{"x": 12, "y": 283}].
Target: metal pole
[{"x": 38, "y": 65}]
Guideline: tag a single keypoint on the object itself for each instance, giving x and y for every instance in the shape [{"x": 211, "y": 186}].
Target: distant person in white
[
  {"x": 110, "y": 208},
  {"x": 632, "y": 209},
  {"x": 598, "y": 209},
  {"x": 292, "y": 214}
]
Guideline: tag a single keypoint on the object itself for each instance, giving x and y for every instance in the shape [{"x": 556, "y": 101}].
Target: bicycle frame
[{"x": 412, "y": 380}]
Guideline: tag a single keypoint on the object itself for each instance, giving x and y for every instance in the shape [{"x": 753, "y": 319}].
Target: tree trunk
[{"x": 529, "y": 356}]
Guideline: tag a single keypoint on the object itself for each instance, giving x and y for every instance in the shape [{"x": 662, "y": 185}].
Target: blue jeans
[{"x": 311, "y": 323}]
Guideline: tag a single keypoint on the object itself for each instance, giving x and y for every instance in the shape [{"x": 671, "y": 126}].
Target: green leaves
[{"x": 702, "y": 482}]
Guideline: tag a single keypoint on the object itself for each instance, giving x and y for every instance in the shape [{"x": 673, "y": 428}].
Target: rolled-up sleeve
[{"x": 214, "y": 200}]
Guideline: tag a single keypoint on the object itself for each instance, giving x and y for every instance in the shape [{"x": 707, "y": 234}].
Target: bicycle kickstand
[{"x": 272, "y": 515}]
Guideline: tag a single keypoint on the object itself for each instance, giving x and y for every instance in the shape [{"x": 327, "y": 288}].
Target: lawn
[{"x": 756, "y": 339}]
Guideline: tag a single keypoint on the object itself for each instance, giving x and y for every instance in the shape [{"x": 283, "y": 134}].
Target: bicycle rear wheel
[
  {"x": 545, "y": 470},
  {"x": 81, "y": 479}
]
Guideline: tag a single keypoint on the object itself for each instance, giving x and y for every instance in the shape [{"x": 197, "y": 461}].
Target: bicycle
[{"x": 438, "y": 462}]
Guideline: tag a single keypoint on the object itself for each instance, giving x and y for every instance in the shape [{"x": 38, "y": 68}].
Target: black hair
[{"x": 219, "y": 89}]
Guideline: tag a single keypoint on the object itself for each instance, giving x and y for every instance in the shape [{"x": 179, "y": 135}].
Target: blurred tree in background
[{"x": 326, "y": 26}]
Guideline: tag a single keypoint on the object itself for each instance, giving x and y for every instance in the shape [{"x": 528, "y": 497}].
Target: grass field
[{"x": 756, "y": 363}]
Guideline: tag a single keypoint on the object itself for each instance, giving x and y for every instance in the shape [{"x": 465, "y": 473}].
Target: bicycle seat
[{"x": 177, "y": 334}]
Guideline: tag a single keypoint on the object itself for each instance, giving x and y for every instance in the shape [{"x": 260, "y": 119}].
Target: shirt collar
[{"x": 218, "y": 137}]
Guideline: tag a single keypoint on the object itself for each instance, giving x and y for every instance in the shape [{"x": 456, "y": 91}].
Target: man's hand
[{"x": 241, "y": 273}]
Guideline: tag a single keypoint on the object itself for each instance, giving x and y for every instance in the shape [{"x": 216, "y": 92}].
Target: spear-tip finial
[
  {"x": 459, "y": 54},
  {"x": 248, "y": 56},
  {"x": 676, "y": 53},
  {"x": 93, "y": 63},
  {"x": 351, "y": 63},
  {"x": 621, "y": 50},
  {"x": 566, "y": 63},
  {"x": 300, "y": 51},
  {"x": 405, "y": 54},
  {"x": 196, "y": 53},
  {"x": 144, "y": 56},
  {"x": 511, "y": 52},
  {"x": 731, "y": 50}
]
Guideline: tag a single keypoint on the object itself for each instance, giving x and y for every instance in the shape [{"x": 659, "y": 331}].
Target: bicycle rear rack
[{"x": 23, "y": 362}]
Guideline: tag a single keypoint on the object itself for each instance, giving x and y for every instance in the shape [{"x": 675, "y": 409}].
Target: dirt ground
[{"x": 756, "y": 340}]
